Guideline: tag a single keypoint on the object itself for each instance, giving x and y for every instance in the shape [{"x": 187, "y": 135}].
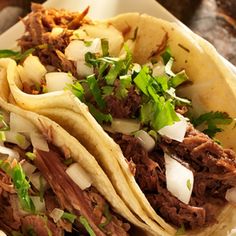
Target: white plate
[{"x": 99, "y": 9}]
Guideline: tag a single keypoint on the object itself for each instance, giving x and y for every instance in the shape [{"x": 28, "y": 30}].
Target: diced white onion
[
  {"x": 175, "y": 131},
  {"x": 145, "y": 139},
  {"x": 232, "y": 232},
  {"x": 34, "y": 69},
  {"x": 56, "y": 31},
  {"x": 108, "y": 32},
  {"x": 79, "y": 176},
  {"x": 56, "y": 81},
  {"x": 125, "y": 126},
  {"x": 39, "y": 142},
  {"x": 136, "y": 68},
  {"x": 230, "y": 195},
  {"x": 20, "y": 124},
  {"x": 158, "y": 69},
  {"x": 77, "y": 49},
  {"x": 83, "y": 69},
  {"x": 18, "y": 139},
  {"x": 10, "y": 152},
  {"x": 56, "y": 214},
  {"x": 179, "y": 179},
  {"x": 28, "y": 168},
  {"x": 39, "y": 205},
  {"x": 38, "y": 181},
  {"x": 2, "y": 233}
]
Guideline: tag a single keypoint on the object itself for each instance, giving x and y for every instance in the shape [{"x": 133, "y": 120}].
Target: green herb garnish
[
  {"x": 181, "y": 230},
  {"x": 95, "y": 90},
  {"x": 211, "y": 120},
  {"x": 21, "y": 184},
  {"x": 30, "y": 155},
  {"x": 15, "y": 55},
  {"x": 99, "y": 116},
  {"x": 105, "y": 47},
  {"x": 86, "y": 225},
  {"x": 69, "y": 216},
  {"x": 107, "y": 215},
  {"x": 189, "y": 185},
  {"x": 166, "y": 55},
  {"x": 2, "y": 136},
  {"x": 77, "y": 89},
  {"x": 4, "y": 126}
]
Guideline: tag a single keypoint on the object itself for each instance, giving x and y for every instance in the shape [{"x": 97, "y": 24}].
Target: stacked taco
[{"x": 128, "y": 89}]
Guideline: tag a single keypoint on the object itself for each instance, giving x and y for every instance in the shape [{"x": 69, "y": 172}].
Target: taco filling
[
  {"x": 185, "y": 174},
  {"x": 43, "y": 191}
]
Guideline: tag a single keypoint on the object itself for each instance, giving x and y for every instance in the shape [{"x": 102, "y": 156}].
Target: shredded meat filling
[
  {"x": 214, "y": 172},
  {"x": 48, "y": 47}
]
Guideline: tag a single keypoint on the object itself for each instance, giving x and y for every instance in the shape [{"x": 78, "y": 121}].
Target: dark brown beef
[
  {"x": 69, "y": 195},
  {"x": 123, "y": 108},
  {"x": 214, "y": 172},
  {"x": 50, "y": 48},
  {"x": 39, "y": 225},
  {"x": 88, "y": 203}
]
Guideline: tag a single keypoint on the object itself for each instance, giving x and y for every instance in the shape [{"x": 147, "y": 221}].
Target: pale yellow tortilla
[
  {"x": 212, "y": 89},
  {"x": 72, "y": 147}
]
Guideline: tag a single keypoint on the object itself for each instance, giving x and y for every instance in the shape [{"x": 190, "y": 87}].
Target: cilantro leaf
[
  {"x": 108, "y": 216},
  {"x": 77, "y": 89},
  {"x": 142, "y": 80},
  {"x": 86, "y": 225},
  {"x": 99, "y": 116},
  {"x": 15, "y": 55},
  {"x": 211, "y": 120},
  {"x": 107, "y": 90},
  {"x": 69, "y": 216},
  {"x": 181, "y": 230},
  {"x": 166, "y": 55},
  {"x": 114, "y": 72},
  {"x": 21, "y": 184},
  {"x": 95, "y": 90},
  {"x": 124, "y": 85},
  {"x": 105, "y": 47},
  {"x": 178, "y": 79}
]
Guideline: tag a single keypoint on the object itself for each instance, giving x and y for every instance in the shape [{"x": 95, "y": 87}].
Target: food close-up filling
[{"x": 179, "y": 165}]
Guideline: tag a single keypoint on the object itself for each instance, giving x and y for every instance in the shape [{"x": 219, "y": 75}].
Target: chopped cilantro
[
  {"x": 114, "y": 72},
  {"x": 189, "y": 184},
  {"x": 68, "y": 161},
  {"x": 178, "y": 79},
  {"x": 69, "y": 216},
  {"x": 142, "y": 80},
  {"x": 107, "y": 215},
  {"x": 86, "y": 225},
  {"x": 99, "y": 116},
  {"x": 77, "y": 89},
  {"x": 88, "y": 43},
  {"x": 95, "y": 90},
  {"x": 15, "y": 55},
  {"x": 4, "y": 126},
  {"x": 107, "y": 90},
  {"x": 166, "y": 55},
  {"x": 211, "y": 120},
  {"x": 124, "y": 85},
  {"x": 181, "y": 230},
  {"x": 105, "y": 47},
  {"x": 2, "y": 136},
  {"x": 21, "y": 184},
  {"x": 30, "y": 155}
]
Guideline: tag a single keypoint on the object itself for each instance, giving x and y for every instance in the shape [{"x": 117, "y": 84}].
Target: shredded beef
[
  {"x": 88, "y": 203},
  {"x": 214, "y": 172},
  {"x": 126, "y": 107},
  {"x": 48, "y": 47},
  {"x": 38, "y": 225}
]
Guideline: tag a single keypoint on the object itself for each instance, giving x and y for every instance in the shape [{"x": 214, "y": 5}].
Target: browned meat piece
[{"x": 213, "y": 168}]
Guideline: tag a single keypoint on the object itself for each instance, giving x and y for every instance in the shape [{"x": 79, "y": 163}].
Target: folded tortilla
[
  {"x": 213, "y": 88},
  {"x": 102, "y": 210}
]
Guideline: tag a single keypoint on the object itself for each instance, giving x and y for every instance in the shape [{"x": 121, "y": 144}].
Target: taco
[
  {"x": 50, "y": 184},
  {"x": 178, "y": 175}
]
